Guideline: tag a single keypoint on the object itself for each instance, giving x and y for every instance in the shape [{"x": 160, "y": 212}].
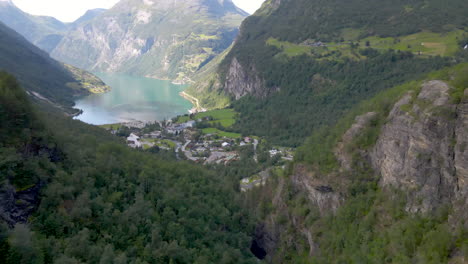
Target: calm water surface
[{"x": 133, "y": 98}]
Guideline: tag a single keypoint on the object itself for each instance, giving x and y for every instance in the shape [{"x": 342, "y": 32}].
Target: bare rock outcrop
[
  {"x": 420, "y": 149},
  {"x": 241, "y": 81},
  {"x": 17, "y": 206},
  {"x": 320, "y": 192}
]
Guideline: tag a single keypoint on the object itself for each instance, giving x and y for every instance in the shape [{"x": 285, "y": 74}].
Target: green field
[
  {"x": 423, "y": 43},
  {"x": 428, "y": 43},
  {"x": 160, "y": 143},
  {"x": 226, "y": 117},
  {"x": 290, "y": 49},
  {"x": 111, "y": 126},
  {"x": 220, "y": 133}
]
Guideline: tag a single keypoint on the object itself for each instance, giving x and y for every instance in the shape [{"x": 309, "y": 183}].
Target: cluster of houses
[
  {"x": 175, "y": 129},
  {"x": 206, "y": 149}
]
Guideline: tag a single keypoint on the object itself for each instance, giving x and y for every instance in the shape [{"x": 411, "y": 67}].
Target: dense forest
[
  {"x": 372, "y": 225},
  {"x": 315, "y": 92},
  {"x": 101, "y": 202}
]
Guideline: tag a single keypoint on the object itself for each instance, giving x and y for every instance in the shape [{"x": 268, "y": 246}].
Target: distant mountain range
[
  {"x": 159, "y": 39},
  {"x": 43, "y": 31}
]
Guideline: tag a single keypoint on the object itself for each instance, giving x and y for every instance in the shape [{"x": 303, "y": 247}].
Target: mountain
[
  {"x": 387, "y": 182},
  {"x": 299, "y": 65},
  {"x": 45, "y": 79},
  {"x": 154, "y": 38},
  {"x": 44, "y": 32},
  {"x": 374, "y": 95},
  {"x": 74, "y": 193},
  {"x": 89, "y": 15}
]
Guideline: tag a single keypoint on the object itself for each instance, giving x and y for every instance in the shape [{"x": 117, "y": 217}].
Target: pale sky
[{"x": 70, "y": 10}]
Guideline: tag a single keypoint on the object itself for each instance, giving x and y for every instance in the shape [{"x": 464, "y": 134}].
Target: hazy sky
[{"x": 70, "y": 10}]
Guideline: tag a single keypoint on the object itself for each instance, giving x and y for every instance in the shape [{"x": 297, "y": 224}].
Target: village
[{"x": 202, "y": 138}]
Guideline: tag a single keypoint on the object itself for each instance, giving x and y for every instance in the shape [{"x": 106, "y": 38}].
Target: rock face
[
  {"x": 421, "y": 148},
  {"x": 240, "y": 82},
  {"x": 16, "y": 207},
  {"x": 161, "y": 39},
  {"x": 320, "y": 190}
]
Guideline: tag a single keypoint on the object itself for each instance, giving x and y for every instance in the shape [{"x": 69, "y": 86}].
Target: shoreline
[{"x": 197, "y": 107}]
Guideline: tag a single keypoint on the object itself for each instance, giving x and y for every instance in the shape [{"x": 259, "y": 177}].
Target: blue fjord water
[{"x": 133, "y": 99}]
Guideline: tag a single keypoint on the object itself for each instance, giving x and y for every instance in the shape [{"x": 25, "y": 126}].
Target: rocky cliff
[
  {"x": 422, "y": 149},
  {"x": 241, "y": 81},
  {"x": 17, "y": 206},
  {"x": 160, "y": 39},
  {"x": 418, "y": 162}
]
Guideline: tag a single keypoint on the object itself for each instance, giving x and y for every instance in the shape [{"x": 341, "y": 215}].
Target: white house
[
  {"x": 134, "y": 141},
  {"x": 225, "y": 144}
]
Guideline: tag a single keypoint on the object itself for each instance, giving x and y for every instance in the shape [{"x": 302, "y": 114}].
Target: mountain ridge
[
  {"x": 45, "y": 79},
  {"x": 139, "y": 42}
]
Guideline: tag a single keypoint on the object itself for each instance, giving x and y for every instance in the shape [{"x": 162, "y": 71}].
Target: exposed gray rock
[
  {"x": 320, "y": 192},
  {"x": 16, "y": 207},
  {"x": 158, "y": 39},
  {"x": 416, "y": 149},
  {"x": 461, "y": 159},
  {"x": 241, "y": 81}
]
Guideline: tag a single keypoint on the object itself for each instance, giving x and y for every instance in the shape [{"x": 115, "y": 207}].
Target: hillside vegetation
[
  {"x": 300, "y": 65},
  {"x": 372, "y": 223},
  {"x": 101, "y": 202},
  {"x": 45, "y": 79}
]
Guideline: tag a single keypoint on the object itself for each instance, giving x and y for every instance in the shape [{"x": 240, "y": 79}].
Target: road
[
  {"x": 188, "y": 154},
  {"x": 194, "y": 101}
]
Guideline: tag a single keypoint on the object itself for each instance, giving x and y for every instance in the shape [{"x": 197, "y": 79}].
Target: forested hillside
[
  {"x": 87, "y": 198},
  {"x": 45, "y": 79},
  {"x": 387, "y": 183},
  {"x": 299, "y": 65}
]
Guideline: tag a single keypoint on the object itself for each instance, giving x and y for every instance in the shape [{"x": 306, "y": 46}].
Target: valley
[{"x": 188, "y": 131}]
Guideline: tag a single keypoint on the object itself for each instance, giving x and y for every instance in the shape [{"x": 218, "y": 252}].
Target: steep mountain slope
[
  {"x": 44, "y": 32},
  {"x": 45, "y": 79},
  {"x": 88, "y": 16},
  {"x": 386, "y": 184},
  {"x": 161, "y": 39},
  {"x": 295, "y": 60},
  {"x": 73, "y": 193}
]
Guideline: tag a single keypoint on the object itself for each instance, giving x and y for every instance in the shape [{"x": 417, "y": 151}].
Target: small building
[
  {"x": 466, "y": 47},
  {"x": 225, "y": 144},
  {"x": 155, "y": 134},
  {"x": 134, "y": 141},
  {"x": 247, "y": 140},
  {"x": 274, "y": 152}
]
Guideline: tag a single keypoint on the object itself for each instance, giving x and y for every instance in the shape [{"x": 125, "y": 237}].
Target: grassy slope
[
  {"x": 423, "y": 44},
  {"x": 308, "y": 77}
]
